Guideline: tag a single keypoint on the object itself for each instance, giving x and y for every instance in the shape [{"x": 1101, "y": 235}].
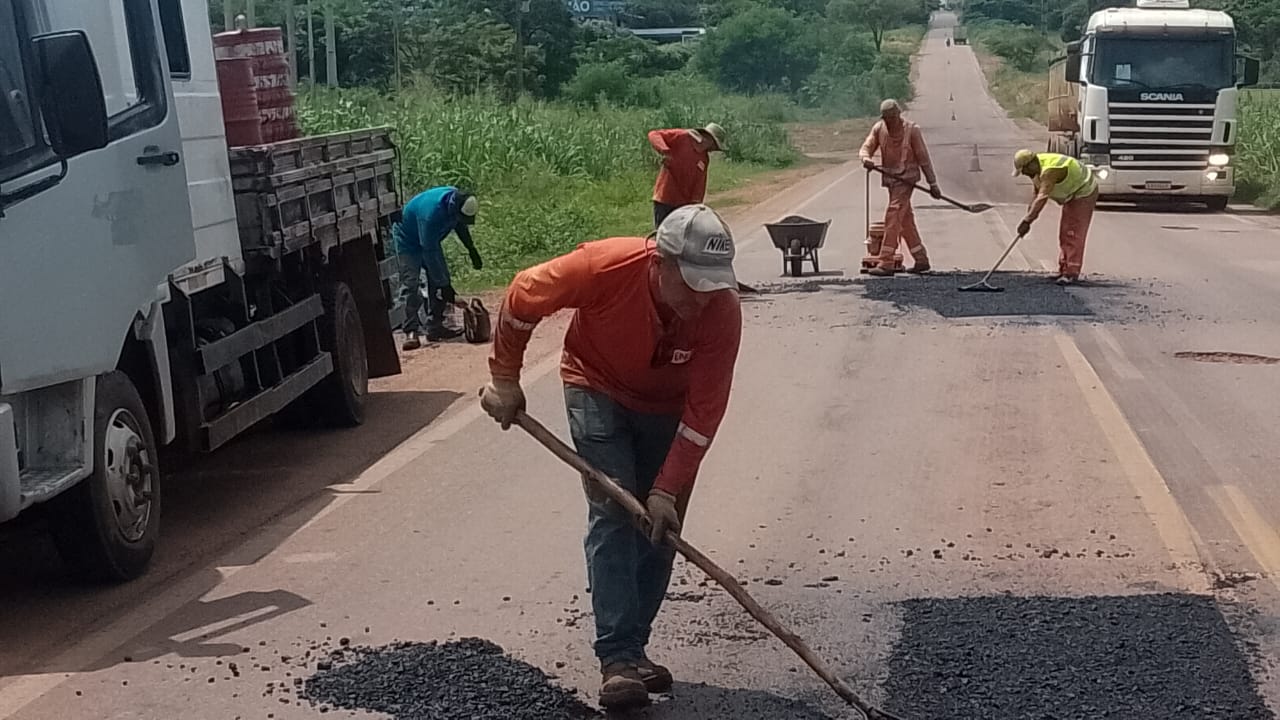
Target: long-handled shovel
[
  {"x": 639, "y": 516},
  {"x": 984, "y": 286},
  {"x": 967, "y": 207}
]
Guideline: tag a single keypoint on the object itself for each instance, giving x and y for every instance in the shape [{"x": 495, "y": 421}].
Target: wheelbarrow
[{"x": 799, "y": 238}]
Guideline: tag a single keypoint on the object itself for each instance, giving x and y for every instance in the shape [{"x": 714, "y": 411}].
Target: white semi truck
[
  {"x": 1147, "y": 98},
  {"x": 155, "y": 287}
]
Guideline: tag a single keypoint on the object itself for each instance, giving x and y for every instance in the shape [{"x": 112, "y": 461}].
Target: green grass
[
  {"x": 1258, "y": 148},
  {"x": 551, "y": 175}
]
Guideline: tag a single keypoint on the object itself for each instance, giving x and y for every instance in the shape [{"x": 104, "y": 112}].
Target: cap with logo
[{"x": 702, "y": 245}]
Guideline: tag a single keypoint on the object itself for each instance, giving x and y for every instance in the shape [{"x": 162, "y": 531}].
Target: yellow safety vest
[{"x": 1078, "y": 183}]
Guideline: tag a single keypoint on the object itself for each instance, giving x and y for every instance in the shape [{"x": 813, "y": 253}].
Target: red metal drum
[
  {"x": 239, "y": 102},
  {"x": 265, "y": 46}
]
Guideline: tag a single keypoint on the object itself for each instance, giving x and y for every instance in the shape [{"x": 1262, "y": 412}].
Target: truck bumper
[
  {"x": 10, "y": 477},
  {"x": 1139, "y": 185}
]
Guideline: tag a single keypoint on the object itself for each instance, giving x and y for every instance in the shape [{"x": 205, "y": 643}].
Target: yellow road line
[
  {"x": 1258, "y": 535},
  {"x": 1175, "y": 531}
]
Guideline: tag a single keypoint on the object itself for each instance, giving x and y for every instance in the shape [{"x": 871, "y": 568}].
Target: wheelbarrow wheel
[{"x": 795, "y": 256}]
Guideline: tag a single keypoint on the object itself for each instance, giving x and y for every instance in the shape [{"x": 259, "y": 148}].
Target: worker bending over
[
  {"x": 426, "y": 221},
  {"x": 1071, "y": 184},
  {"x": 683, "y": 177},
  {"x": 902, "y": 153},
  {"x": 647, "y": 367}
]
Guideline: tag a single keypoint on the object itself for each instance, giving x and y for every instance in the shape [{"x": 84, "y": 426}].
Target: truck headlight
[
  {"x": 1219, "y": 159},
  {"x": 1103, "y": 173}
]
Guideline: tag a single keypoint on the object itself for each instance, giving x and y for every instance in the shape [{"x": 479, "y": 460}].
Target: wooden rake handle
[{"x": 639, "y": 516}]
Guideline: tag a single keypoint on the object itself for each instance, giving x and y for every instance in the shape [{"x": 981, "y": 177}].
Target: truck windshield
[
  {"x": 1164, "y": 63},
  {"x": 18, "y": 137}
]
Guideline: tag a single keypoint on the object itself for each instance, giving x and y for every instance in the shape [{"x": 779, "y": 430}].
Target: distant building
[{"x": 670, "y": 35}]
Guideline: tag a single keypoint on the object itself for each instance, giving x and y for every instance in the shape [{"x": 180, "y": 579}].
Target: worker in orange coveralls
[
  {"x": 902, "y": 153},
  {"x": 1070, "y": 183},
  {"x": 647, "y": 368},
  {"x": 683, "y": 177}
]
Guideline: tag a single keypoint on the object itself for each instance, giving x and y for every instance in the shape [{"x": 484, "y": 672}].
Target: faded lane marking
[
  {"x": 1176, "y": 532},
  {"x": 1116, "y": 355},
  {"x": 1258, "y": 535},
  {"x": 19, "y": 691}
]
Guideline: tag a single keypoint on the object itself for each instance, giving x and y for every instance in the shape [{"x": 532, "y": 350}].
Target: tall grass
[
  {"x": 549, "y": 175},
  {"x": 1258, "y": 148}
]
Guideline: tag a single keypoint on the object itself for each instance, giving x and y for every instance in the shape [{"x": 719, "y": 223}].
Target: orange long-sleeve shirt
[
  {"x": 617, "y": 343},
  {"x": 683, "y": 177},
  {"x": 905, "y": 155}
]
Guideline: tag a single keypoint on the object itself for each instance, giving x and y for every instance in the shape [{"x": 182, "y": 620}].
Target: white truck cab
[
  {"x": 1147, "y": 98},
  {"x": 150, "y": 292}
]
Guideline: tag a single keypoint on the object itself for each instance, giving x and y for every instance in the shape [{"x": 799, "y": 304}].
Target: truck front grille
[{"x": 1160, "y": 136}]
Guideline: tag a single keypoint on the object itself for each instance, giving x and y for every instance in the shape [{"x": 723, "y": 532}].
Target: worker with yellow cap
[
  {"x": 902, "y": 154},
  {"x": 1070, "y": 183}
]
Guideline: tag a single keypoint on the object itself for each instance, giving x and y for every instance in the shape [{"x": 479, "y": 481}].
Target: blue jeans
[{"x": 627, "y": 576}]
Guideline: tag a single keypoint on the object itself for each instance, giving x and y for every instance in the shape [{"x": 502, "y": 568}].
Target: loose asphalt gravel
[
  {"x": 469, "y": 678},
  {"x": 1006, "y": 658}
]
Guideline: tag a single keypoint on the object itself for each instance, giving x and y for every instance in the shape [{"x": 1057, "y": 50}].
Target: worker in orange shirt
[
  {"x": 647, "y": 367},
  {"x": 904, "y": 154},
  {"x": 683, "y": 177}
]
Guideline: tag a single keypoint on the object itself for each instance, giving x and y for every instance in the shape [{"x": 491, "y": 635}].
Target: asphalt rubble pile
[{"x": 469, "y": 678}]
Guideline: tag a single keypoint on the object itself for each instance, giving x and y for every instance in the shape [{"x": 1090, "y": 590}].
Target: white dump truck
[
  {"x": 157, "y": 288},
  {"x": 1147, "y": 98}
]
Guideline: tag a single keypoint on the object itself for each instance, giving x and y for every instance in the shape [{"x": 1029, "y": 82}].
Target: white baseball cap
[{"x": 702, "y": 245}]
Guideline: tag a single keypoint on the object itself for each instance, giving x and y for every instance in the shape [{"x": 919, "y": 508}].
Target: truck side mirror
[
  {"x": 72, "y": 102},
  {"x": 1249, "y": 71},
  {"x": 1073, "y": 63}
]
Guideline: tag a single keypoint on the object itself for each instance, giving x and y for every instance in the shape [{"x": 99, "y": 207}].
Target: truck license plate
[{"x": 1159, "y": 185}]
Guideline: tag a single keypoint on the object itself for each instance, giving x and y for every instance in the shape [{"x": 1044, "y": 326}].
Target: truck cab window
[
  {"x": 127, "y": 50},
  {"x": 18, "y": 135},
  {"x": 175, "y": 38},
  {"x": 1156, "y": 63}
]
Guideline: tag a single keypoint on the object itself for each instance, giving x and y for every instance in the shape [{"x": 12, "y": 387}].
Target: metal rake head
[{"x": 980, "y": 286}]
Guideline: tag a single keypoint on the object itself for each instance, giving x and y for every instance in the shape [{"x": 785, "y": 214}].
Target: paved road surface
[{"x": 911, "y": 442}]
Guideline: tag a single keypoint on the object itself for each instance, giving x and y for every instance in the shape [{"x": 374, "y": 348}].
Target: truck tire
[
  {"x": 106, "y": 527},
  {"x": 1218, "y": 204},
  {"x": 339, "y": 398}
]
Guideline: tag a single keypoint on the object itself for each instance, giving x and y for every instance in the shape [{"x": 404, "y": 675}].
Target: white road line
[
  {"x": 1176, "y": 532},
  {"x": 1116, "y": 355}
]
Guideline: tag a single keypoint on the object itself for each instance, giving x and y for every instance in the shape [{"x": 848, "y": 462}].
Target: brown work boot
[
  {"x": 622, "y": 686},
  {"x": 1068, "y": 279},
  {"x": 881, "y": 271},
  {"x": 657, "y": 679},
  {"x": 920, "y": 267},
  {"x": 412, "y": 341}
]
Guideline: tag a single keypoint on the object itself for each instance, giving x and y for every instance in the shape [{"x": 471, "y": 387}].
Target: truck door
[{"x": 79, "y": 260}]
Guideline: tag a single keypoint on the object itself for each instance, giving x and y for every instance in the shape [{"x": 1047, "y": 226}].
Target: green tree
[
  {"x": 877, "y": 16},
  {"x": 759, "y": 48}
]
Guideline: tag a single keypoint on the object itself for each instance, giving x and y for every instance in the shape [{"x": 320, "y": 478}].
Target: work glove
[
  {"x": 869, "y": 164},
  {"x": 476, "y": 261},
  {"x": 935, "y": 191},
  {"x": 661, "y": 507},
  {"x": 446, "y": 295},
  {"x": 502, "y": 399},
  {"x": 1024, "y": 227}
]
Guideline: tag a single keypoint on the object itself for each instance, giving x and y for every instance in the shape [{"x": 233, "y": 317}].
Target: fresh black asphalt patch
[
  {"x": 1026, "y": 297},
  {"x": 469, "y": 678},
  {"x": 1011, "y": 658}
]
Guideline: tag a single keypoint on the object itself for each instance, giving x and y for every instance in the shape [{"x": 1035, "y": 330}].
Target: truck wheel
[
  {"x": 106, "y": 527},
  {"x": 1217, "y": 204},
  {"x": 339, "y": 398}
]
